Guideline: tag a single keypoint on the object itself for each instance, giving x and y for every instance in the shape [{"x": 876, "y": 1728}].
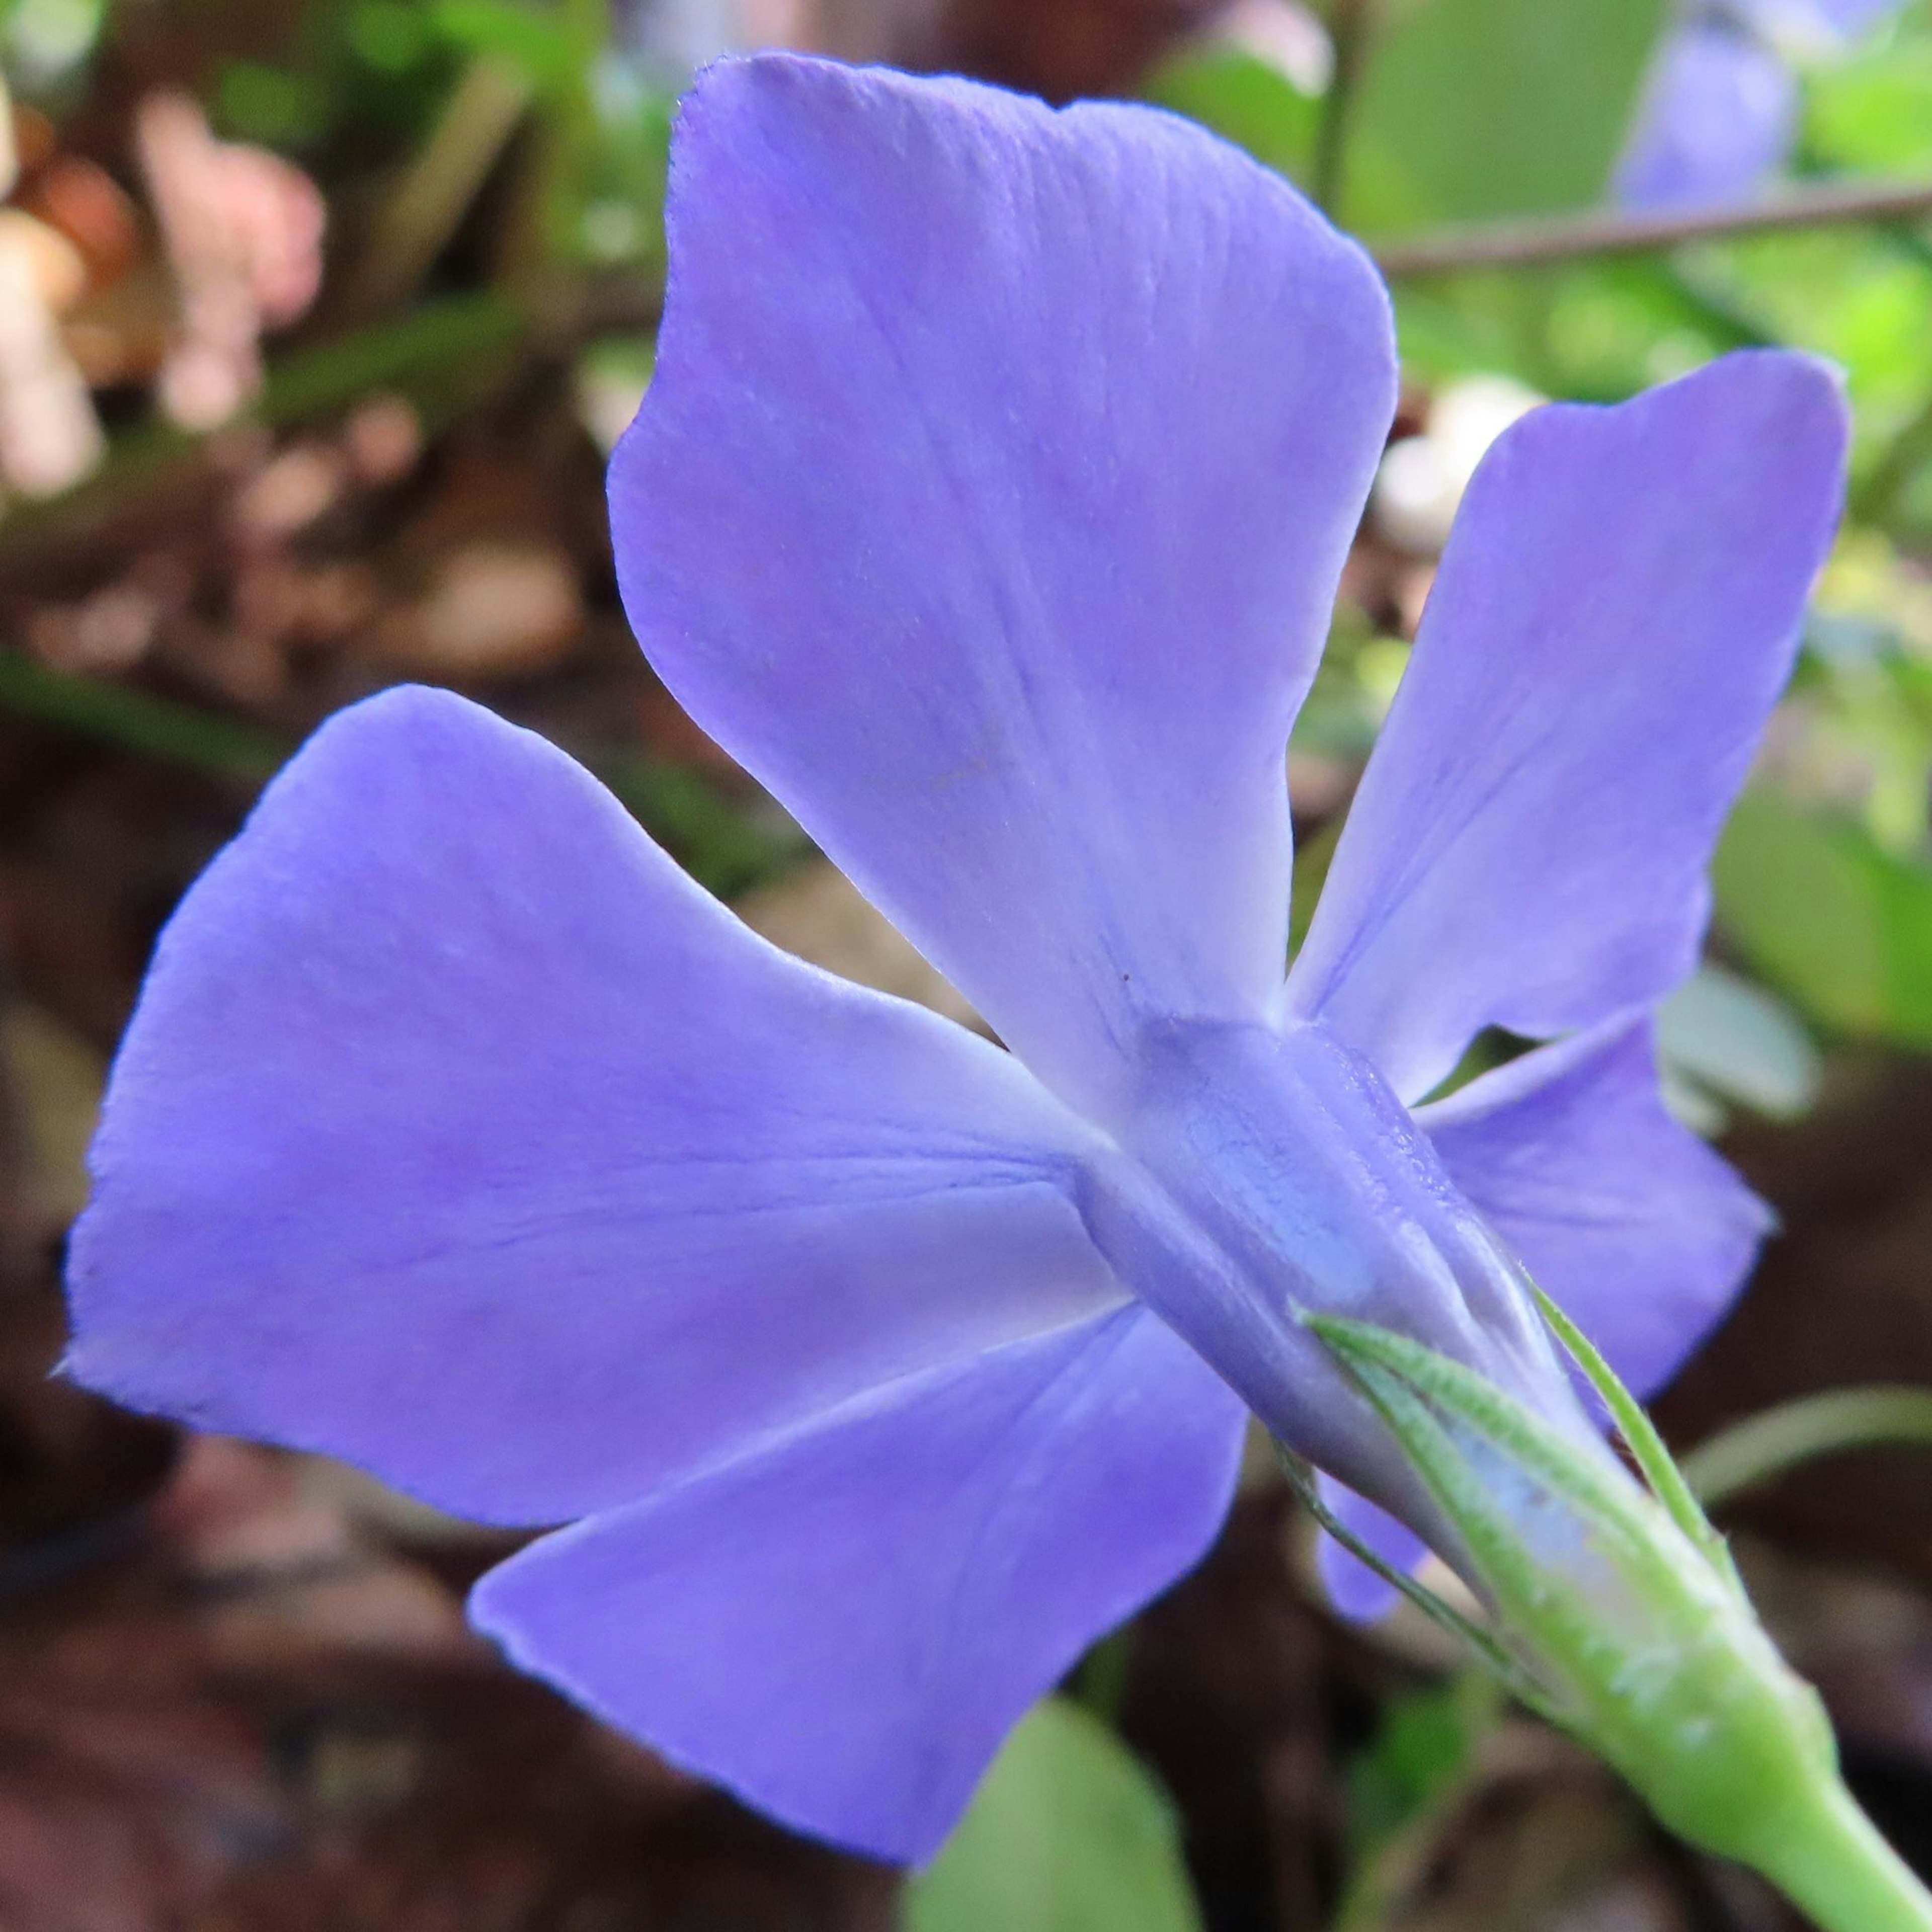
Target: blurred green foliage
[
  {"x": 45, "y": 43},
  {"x": 1067, "y": 1834},
  {"x": 1820, "y": 909},
  {"x": 1469, "y": 109}
]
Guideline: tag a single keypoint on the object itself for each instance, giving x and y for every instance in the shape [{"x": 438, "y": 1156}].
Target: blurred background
[{"x": 317, "y": 318}]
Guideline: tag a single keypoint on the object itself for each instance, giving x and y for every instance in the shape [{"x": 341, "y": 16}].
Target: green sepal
[
  {"x": 1506, "y": 1571},
  {"x": 1593, "y": 1484},
  {"x": 1646, "y": 1651},
  {"x": 1667, "y": 1480},
  {"x": 1432, "y": 1603}
]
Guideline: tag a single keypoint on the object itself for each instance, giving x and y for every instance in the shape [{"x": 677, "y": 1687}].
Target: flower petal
[
  {"x": 1625, "y": 1218},
  {"x": 1812, "y": 28},
  {"x": 844, "y": 1626},
  {"x": 1615, "y": 615},
  {"x": 988, "y": 502},
  {"x": 1716, "y": 122},
  {"x": 460, "y": 1133}
]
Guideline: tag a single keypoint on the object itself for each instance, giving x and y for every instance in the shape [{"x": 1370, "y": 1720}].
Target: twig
[{"x": 1515, "y": 244}]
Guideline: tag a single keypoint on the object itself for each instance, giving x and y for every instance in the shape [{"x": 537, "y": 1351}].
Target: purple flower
[
  {"x": 1720, "y": 114},
  {"x": 987, "y": 503}
]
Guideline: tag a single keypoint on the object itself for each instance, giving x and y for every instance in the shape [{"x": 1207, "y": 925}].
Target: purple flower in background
[
  {"x": 987, "y": 503},
  {"x": 1720, "y": 113}
]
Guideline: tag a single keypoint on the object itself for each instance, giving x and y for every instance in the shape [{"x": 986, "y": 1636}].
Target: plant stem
[
  {"x": 414, "y": 224},
  {"x": 1518, "y": 244},
  {"x": 440, "y": 356},
  {"x": 1833, "y": 1863},
  {"x": 1349, "y": 27},
  {"x": 157, "y": 727},
  {"x": 1768, "y": 1445}
]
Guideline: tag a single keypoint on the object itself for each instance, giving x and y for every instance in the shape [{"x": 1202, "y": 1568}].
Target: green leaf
[
  {"x": 138, "y": 721},
  {"x": 548, "y": 50},
  {"x": 1244, "y": 100},
  {"x": 1827, "y": 915},
  {"x": 274, "y": 106},
  {"x": 1874, "y": 111},
  {"x": 1475, "y": 108},
  {"x": 1422, "y": 1750},
  {"x": 1402, "y": 1789},
  {"x": 1067, "y": 1834},
  {"x": 391, "y": 36},
  {"x": 1742, "y": 1043}
]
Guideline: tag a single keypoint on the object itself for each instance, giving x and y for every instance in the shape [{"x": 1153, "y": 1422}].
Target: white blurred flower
[{"x": 1422, "y": 478}]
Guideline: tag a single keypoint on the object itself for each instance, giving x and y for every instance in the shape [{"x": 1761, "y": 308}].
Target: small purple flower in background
[
  {"x": 1719, "y": 115},
  {"x": 988, "y": 504}
]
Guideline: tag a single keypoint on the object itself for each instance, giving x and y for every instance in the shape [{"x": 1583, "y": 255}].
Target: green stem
[
  {"x": 1832, "y": 1862},
  {"x": 1767, "y": 1445},
  {"x": 1350, "y": 25},
  {"x": 440, "y": 356},
  {"x": 414, "y": 225},
  {"x": 158, "y": 728}
]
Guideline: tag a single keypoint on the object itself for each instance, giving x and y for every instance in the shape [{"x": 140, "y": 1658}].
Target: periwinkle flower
[
  {"x": 988, "y": 504},
  {"x": 1720, "y": 114}
]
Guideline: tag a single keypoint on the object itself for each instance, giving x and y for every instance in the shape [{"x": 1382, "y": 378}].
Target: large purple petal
[
  {"x": 1615, "y": 615},
  {"x": 987, "y": 503},
  {"x": 1624, "y": 1217},
  {"x": 844, "y": 1626},
  {"x": 458, "y": 1132},
  {"x": 1716, "y": 122}
]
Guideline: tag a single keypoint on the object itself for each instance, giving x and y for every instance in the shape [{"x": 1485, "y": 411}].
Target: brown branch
[{"x": 1518, "y": 244}]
